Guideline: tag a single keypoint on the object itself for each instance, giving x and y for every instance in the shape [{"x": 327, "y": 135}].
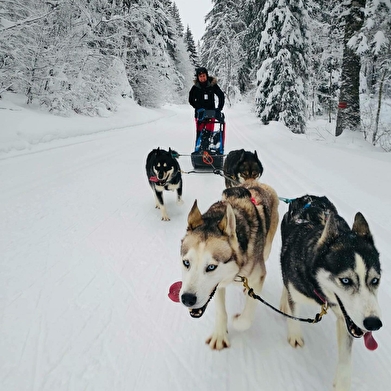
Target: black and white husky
[
  {"x": 323, "y": 261},
  {"x": 164, "y": 173}
]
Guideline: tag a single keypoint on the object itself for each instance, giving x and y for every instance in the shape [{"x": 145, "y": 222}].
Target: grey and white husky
[
  {"x": 240, "y": 166},
  {"x": 323, "y": 261},
  {"x": 233, "y": 237}
]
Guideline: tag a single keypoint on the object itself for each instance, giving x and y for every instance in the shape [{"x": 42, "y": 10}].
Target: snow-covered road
[{"x": 86, "y": 264}]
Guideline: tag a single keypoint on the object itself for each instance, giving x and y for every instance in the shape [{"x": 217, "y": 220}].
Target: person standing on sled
[{"x": 202, "y": 97}]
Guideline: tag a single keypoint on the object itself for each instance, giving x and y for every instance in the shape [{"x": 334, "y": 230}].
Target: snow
[{"x": 87, "y": 263}]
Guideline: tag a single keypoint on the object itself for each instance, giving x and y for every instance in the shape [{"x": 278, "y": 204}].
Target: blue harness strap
[{"x": 286, "y": 200}]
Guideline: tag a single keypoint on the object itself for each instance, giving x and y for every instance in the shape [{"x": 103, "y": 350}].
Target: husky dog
[
  {"x": 241, "y": 165},
  {"x": 164, "y": 173},
  {"x": 233, "y": 237},
  {"x": 313, "y": 210},
  {"x": 323, "y": 261}
]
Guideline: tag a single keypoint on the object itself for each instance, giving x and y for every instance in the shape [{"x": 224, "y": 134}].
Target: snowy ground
[{"x": 86, "y": 261}]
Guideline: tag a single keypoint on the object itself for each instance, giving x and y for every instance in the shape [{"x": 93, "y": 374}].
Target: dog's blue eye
[
  {"x": 210, "y": 268},
  {"x": 375, "y": 281},
  {"x": 186, "y": 263},
  {"x": 346, "y": 281}
]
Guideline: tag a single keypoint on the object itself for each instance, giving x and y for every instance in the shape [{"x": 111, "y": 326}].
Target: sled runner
[{"x": 209, "y": 148}]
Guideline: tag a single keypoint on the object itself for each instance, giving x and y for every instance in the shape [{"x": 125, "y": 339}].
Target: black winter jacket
[{"x": 203, "y": 96}]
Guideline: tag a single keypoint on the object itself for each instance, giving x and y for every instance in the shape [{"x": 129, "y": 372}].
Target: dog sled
[{"x": 209, "y": 147}]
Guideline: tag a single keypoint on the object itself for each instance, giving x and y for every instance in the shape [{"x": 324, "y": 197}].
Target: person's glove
[{"x": 200, "y": 113}]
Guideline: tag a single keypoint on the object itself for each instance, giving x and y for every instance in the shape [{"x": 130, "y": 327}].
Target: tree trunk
[
  {"x": 348, "y": 116},
  {"x": 374, "y": 135}
]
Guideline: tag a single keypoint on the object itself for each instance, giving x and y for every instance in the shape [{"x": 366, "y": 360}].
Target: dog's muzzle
[
  {"x": 189, "y": 299},
  {"x": 371, "y": 323}
]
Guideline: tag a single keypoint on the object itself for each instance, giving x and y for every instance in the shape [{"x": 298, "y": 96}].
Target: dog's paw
[
  {"x": 218, "y": 341},
  {"x": 342, "y": 384},
  {"x": 296, "y": 341},
  {"x": 163, "y": 211},
  {"x": 179, "y": 201},
  {"x": 241, "y": 322}
]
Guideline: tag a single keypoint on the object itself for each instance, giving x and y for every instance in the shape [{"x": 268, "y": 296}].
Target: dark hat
[{"x": 201, "y": 70}]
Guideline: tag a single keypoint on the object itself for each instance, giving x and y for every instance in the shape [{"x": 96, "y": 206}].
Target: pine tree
[
  {"x": 179, "y": 25},
  {"x": 282, "y": 74},
  {"x": 191, "y": 48}
]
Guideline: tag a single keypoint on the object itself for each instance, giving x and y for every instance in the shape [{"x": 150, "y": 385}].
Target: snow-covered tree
[
  {"x": 148, "y": 64},
  {"x": 82, "y": 55},
  {"x": 374, "y": 47},
  {"x": 53, "y": 58},
  {"x": 282, "y": 74},
  {"x": 152, "y": 54},
  {"x": 191, "y": 48},
  {"x": 177, "y": 18},
  {"x": 181, "y": 62},
  {"x": 373, "y": 41},
  {"x": 252, "y": 19},
  {"x": 325, "y": 54},
  {"x": 221, "y": 50}
]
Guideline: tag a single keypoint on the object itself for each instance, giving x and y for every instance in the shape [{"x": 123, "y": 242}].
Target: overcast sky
[{"x": 193, "y": 14}]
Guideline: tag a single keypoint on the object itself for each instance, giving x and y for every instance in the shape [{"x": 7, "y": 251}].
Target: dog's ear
[
  {"x": 361, "y": 228},
  {"x": 228, "y": 223},
  {"x": 240, "y": 154},
  {"x": 330, "y": 231},
  {"x": 194, "y": 219},
  {"x": 258, "y": 162}
]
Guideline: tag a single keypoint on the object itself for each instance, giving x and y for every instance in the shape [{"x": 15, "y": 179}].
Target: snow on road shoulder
[{"x": 26, "y": 127}]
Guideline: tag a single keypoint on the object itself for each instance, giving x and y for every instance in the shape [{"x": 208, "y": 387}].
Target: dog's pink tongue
[
  {"x": 369, "y": 341},
  {"x": 173, "y": 293}
]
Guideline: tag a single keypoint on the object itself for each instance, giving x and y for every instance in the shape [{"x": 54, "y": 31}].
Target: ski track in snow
[{"x": 87, "y": 264}]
